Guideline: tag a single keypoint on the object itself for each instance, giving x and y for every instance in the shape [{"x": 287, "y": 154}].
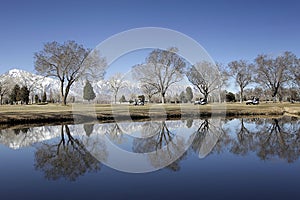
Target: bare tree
[
  {"x": 116, "y": 83},
  {"x": 4, "y": 89},
  {"x": 295, "y": 72},
  {"x": 205, "y": 77},
  {"x": 274, "y": 73},
  {"x": 68, "y": 62},
  {"x": 224, "y": 75},
  {"x": 149, "y": 91},
  {"x": 162, "y": 69},
  {"x": 242, "y": 72}
]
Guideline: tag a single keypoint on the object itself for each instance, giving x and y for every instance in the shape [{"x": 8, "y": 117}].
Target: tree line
[
  {"x": 272, "y": 74},
  {"x": 273, "y": 77},
  {"x": 21, "y": 95}
]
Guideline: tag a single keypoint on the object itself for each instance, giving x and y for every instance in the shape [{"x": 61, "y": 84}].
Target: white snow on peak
[{"x": 38, "y": 84}]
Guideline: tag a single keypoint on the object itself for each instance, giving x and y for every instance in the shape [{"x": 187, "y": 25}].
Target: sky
[{"x": 228, "y": 30}]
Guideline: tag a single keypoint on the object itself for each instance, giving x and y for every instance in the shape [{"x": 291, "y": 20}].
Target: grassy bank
[{"x": 51, "y": 113}]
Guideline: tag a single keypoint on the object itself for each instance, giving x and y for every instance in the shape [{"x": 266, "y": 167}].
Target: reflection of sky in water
[{"x": 232, "y": 126}]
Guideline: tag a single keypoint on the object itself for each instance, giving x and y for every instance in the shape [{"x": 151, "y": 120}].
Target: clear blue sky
[{"x": 228, "y": 30}]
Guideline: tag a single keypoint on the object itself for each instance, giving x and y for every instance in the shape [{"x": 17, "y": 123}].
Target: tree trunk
[
  {"x": 241, "y": 95},
  {"x": 66, "y": 94},
  {"x": 62, "y": 93},
  {"x": 274, "y": 95},
  {"x": 162, "y": 98},
  {"x": 1, "y": 96},
  {"x": 206, "y": 96},
  {"x": 64, "y": 103},
  {"x": 115, "y": 98},
  {"x": 149, "y": 98}
]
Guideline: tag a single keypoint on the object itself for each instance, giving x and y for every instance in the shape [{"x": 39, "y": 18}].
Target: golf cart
[
  {"x": 254, "y": 101},
  {"x": 140, "y": 101},
  {"x": 201, "y": 102}
]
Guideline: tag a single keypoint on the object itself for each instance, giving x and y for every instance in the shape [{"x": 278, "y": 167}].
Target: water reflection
[
  {"x": 207, "y": 136},
  {"x": 159, "y": 133},
  {"x": 159, "y": 136},
  {"x": 268, "y": 138},
  {"x": 66, "y": 158},
  {"x": 69, "y": 151},
  {"x": 144, "y": 146},
  {"x": 88, "y": 128}
]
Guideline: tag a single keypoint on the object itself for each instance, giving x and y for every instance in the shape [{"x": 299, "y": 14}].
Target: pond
[{"x": 241, "y": 158}]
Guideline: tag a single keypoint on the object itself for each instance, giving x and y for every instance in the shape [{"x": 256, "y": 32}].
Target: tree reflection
[
  {"x": 164, "y": 137},
  {"x": 268, "y": 138},
  {"x": 245, "y": 140},
  {"x": 147, "y": 144},
  {"x": 69, "y": 158},
  {"x": 278, "y": 138},
  {"x": 17, "y": 131},
  {"x": 116, "y": 133},
  {"x": 175, "y": 166},
  {"x": 161, "y": 142},
  {"x": 88, "y": 128},
  {"x": 189, "y": 122},
  {"x": 160, "y": 136},
  {"x": 207, "y": 136}
]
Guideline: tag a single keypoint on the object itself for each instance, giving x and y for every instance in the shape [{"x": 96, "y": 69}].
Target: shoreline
[{"x": 12, "y": 116}]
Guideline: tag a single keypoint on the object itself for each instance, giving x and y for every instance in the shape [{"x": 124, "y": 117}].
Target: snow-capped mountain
[
  {"x": 35, "y": 83},
  {"x": 31, "y": 80},
  {"x": 38, "y": 84}
]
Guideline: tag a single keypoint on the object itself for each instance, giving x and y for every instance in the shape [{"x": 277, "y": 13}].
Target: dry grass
[{"x": 57, "y": 113}]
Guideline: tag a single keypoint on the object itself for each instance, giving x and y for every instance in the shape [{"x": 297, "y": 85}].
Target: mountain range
[{"x": 37, "y": 84}]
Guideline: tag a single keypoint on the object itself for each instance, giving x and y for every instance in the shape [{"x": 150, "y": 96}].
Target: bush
[{"x": 230, "y": 97}]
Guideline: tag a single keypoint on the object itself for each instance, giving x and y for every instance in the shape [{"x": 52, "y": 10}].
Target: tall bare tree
[
  {"x": 205, "y": 77},
  {"x": 274, "y": 73},
  {"x": 4, "y": 89},
  {"x": 295, "y": 72},
  {"x": 68, "y": 62},
  {"x": 116, "y": 83},
  {"x": 162, "y": 69},
  {"x": 5, "y": 86},
  {"x": 242, "y": 73},
  {"x": 224, "y": 75}
]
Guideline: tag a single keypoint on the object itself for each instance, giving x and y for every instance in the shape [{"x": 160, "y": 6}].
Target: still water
[{"x": 250, "y": 158}]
